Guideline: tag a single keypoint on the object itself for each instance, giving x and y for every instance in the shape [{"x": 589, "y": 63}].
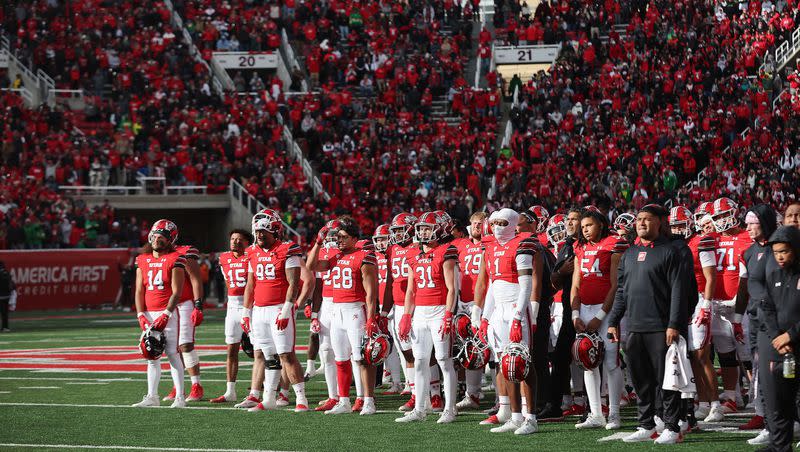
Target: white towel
[{"x": 678, "y": 375}]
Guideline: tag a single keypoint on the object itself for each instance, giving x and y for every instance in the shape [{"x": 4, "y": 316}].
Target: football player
[
  {"x": 273, "y": 279},
  {"x": 594, "y": 285},
  {"x": 704, "y": 248},
  {"x": 233, "y": 265},
  {"x": 190, "y": 316},
  {"x": 159, "y": 283},
  {"x": 429, "y": 307},
  {"x": 470, "y": 253},
  {"x": 728, "y": 323},
  {"x": 354, "y": 279},
  {"x": 510, "y": 261},
  {"x": 380, "y": 241},
  {"x": 542, "y": 217}
]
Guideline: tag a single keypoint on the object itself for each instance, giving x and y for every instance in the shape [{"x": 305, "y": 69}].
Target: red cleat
[
  {"x": 729, "y": 406},
  {"x": 437, "y": 404},
  {"x": 755, "y": 423},
  {"x": 327, "y": 405},
  {"x": 196, "y": 394},
  {"x": 358, "y": 405},
  {"x": 282, "y": 400},
  {"x": 221, "y": 399},
  {"x": 170, "y": 396},
  {"x": 300, "y": 408},
  {"x": 491, "y": 420},
  {"x": 575, "y": 410},
  {"x": 408, "y": 406}
]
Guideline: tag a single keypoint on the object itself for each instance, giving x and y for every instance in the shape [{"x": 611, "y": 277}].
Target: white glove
[
  {"x": 475, "y": 315},
  {"x": 12, "y": 302}
]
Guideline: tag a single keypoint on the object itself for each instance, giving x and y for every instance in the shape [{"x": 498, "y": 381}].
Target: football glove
[
  {"x": 447, "y": 324},
  {"x": 515, "y": 334},
  {"x": 143, "y": 322},
  {"x": 307, "y": 311},
  {"x": 405, "y": 326},
  {"x": 161, "y": 322},
  {"x": 283, "y": 318},
  {"x": 246, "y": 321}
]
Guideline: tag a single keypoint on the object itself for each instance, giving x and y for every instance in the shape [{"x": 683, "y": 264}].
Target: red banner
[{"x": 63, "y": 279}]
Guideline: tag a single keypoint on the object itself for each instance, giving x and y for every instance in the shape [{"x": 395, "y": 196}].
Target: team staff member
[
  {"x": 8, "y": 295},
  {"x": 650, "y": 291},
  {"x": 780, "y": 315}
]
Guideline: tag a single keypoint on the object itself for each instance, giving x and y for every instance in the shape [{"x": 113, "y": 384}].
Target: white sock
[
  {"x": 411, "y": 378},
  {"x": 369, "y": 400},
  {"x": 524, "y": 401},
  {"x": 271, "y": 379},
  {"x": 615, "y": 388},
  {"x": 474, "y": 379},
  {"x": 592, "y": 382},
  {"x": 436, "y": 387},
  {"x": 195, "y": 379},
  {"x": 450, "y": 384},
  {"x": 577, "y": 378},
  {"x": 231, "y": 388},
  {"x": 516, "y": 417},
  {"x": 566, "y": 400},
  {"x": 728, "y": 395},
  {"x": 255, "y": 393},
  {"x": 422, "y": 386},
  {"x": 330, "y": 373},
  {"x": 505, "y": 406},
  {"x": 715, "y": 404},
  {"x": 153, "y": 377},
  {"x": 357, "y": 378},
  {"x": 392, "y": 364},
  {"x": 177, "y": 370},
  {"x": 300, "y": 393},
  {"x": 579, "y": 400},
  {"x": 310, "y": 367}
]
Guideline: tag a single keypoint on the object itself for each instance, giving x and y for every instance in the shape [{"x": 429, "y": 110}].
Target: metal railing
[
  {"x": 25, "y": 93},
  {"x": 94, "y": 190},
  {"x": 784, "y": 52},
  {"x": 148, "y": 185},
  {"x": 177, "y": 22},
  {"x": 239, "y": 195}
]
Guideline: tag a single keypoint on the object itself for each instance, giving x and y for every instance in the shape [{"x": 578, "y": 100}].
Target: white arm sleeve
[
  {"x": 524, "y": 294},
  {"x": 249, "y": 268},
  {"x": 742, "y": 270},
  {"x": 488, "y": 303},
  {"x": 708, "y": 259},
  {"x": 524, "y": 262},
  {"x": 293, "y": 262}
]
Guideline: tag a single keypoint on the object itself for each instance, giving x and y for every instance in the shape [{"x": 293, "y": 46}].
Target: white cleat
[
  {"x": 510, "y": 426},
  {"x": 614, "y": 422},
  {"x": 669, "y": 437},
  {"x": 468, "y": 403},
  {"x": 593, "y": 421},
  {"x": 248, "y": 402},
  {"x": 701, "y": 412},
  {"x": 761, "y": 440},
  {"x": 368, "y": 409},
  {"x": 447, "y": 417},
  {"x": 179, "y": 402},
  {"x": 715, "y": 415},
  {"x": 529, "y": 426},
  {"x": 660, "y": 425},
  {"x": 640, "y": 435},
  {"x": 148, "y": 401},
  {"x": 412, "y": 416},
  {"x": 342, "y": 407}
]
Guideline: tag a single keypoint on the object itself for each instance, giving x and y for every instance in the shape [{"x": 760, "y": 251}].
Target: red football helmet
[
  {"x": 625, "y": 221},
  {"x": 588, "y": 350},
  {"x": 365, "y": 244},
  {"x": 268, "y": 220},
  {"x": 433, "y": 226},
  {"x": 723, "y": 213},
  {"x": 472, "y": 352},
  {"x": 152, "y": 343},
  {"x": 515, "y": 362},
  {"x": 591, "y": 208},
  {"x": 164, "y": 228},
  {"x": 699, "y": 215},
  {"x": 330, "y": 237},
  {"x": 556, "y": 229},
  {"x": 462, "y": 325},
  {"x": 542, "y": 217},
  {"x": 402, "y": 228},
  {"x": 681, "y": 221},
  {"x": 381, "y": 238},
  {"x": 376, "y": 348}
]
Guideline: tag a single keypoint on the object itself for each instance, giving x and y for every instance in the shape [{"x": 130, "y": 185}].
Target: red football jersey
[
  {"x": 346, "y": 278},
  {"x": 382, "y": 274},
  {"x": 470, "y": 256},
  {"x": 702, "y": 243},
  {"x": 730, "y": 262},
  {"x": 188, "y": 252},
  {"x": 595, "y": 266},
  {"x": 542, "y": 236},
  {"x": 397, "y": 260},
  {"x": 501, "y": 260},
  {"x": 157, "y": 277},
  {"x": 427, "y": 274},
  {"x": 324, "y": 255},
  {"x": 234, "y": 270},
  {"x": 269, "y": 267}
]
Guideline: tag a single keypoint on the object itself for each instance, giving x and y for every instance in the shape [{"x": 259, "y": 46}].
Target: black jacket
[
  {"x": 757, "y": 256},
  {"x": 780, "y": 309},
  {"x": 565, "y": 254},
  {"x": 651, "y": 288}
]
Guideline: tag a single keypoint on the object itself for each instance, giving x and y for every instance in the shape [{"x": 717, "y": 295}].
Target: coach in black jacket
[
  {"x": 780, "y": 318},
  {"x": 651, "y": 291}
]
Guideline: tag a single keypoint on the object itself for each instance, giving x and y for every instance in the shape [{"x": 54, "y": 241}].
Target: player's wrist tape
[
  {"x": 384, "y": 314},
  {"x": 140, "y": 314},
  {"x": 314, "y": 315},
  {"x": 575, "y": 314},
  {"x": 286, "y": 309},
  {"x": 535, "y": 309},
  {"x": 600, "y": 315},
  {"x": 167, "y": 313},
  {"x": 737, "y": 318},
  {"x": 246, "y": 312}
]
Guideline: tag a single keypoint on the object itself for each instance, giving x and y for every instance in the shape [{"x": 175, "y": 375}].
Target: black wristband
[{"x": 198, "y": 304}]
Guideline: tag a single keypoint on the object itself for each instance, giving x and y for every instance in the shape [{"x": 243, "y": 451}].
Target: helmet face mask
[
  {"x": 680, "y": 221},
  {"x": 152, "y": 344},
  {"x": 723, "y": 213},
  {"x": 376, "y": 348},
  {"x": 401, "y": 229},
  {"x": 625, "y": 222},
  {"x": 515, "y": 362},
  {"x": 268, "y": 220},
  {"x": 165, "y": 229},
  {"x": 425, "y": 232},
  {"x": 588, "y": 350},
  {"x": 556, "y": 229}
]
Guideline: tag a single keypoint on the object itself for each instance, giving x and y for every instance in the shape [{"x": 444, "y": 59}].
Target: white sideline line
[
  {"x": 39, "y": 387},
  {"x": 98, "y": 380},
  {"x": 87, "y": 446},
  {"x": 80, "y": 405}
]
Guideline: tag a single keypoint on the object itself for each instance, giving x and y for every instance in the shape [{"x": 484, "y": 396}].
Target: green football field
[{"x": 67, "y": 380}]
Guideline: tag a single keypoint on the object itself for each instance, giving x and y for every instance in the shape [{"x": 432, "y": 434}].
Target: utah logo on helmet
[
  {"x": 376, "y": 348},
  {"x": 268, "y": 220},
  {"x": 588, "y": 350},
  {"x": 681, "y": 221},
  {"x": 152, "y": 344},
  {"x": 402, "y": 228},
  {"x": 542, "y": 217},
  {"x": 700, "y": 214},
  {"x": 723, "y": 213},
  {"x": 515, "y": 362},
  {"x": 165, "y": 228}
]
